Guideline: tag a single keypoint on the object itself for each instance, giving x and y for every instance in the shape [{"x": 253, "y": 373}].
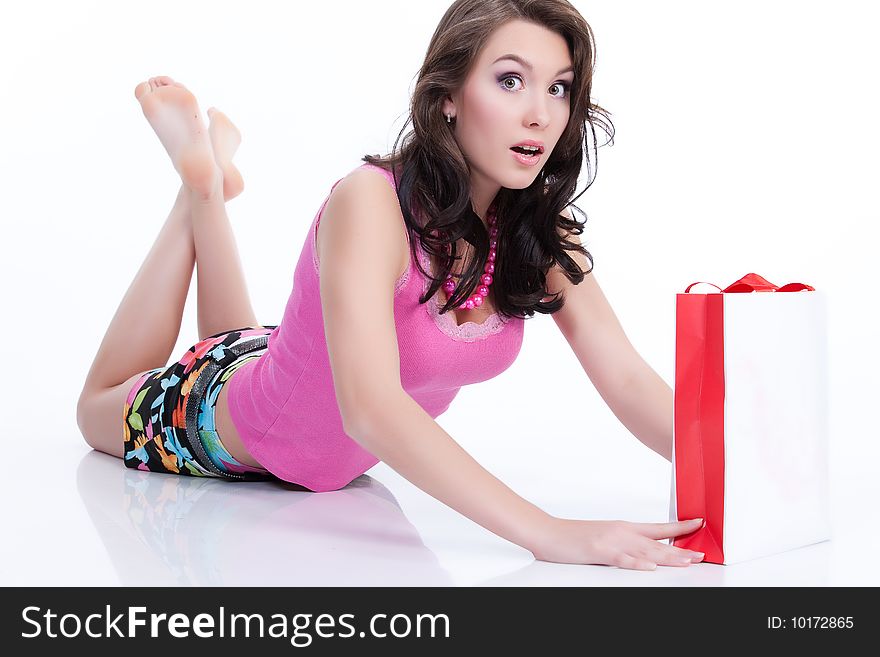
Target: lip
[
  {"x": 531, "y": 142},
  {"x": 526, "y": 160}
]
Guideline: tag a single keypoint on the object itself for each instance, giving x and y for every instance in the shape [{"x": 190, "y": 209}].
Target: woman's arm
[
  {"x": 361, "y": 251},
  {"x": 411, "y": 442},
  {"x": 634, "y": 392},
  {"x": 644, "y": 406}
]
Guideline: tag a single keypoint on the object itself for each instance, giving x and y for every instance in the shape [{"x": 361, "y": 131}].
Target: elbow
[
  {"x": 355, "y": 414},
  {"x": 366, "y": 423},
  {"x": 353, "y": 425},
  {"x": 366, "y": 433}
]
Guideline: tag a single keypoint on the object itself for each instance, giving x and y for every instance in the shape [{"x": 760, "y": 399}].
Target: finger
[
  {"x": 634, "y": 563},
  {"x": 659, "y": 530},
  {"x": 679, "y": 553},
  {"x": 664, "y": 555}
]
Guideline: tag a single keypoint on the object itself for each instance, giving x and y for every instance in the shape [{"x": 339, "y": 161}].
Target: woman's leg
[
  {"x": 223, "y": 300},
  {"x": 144, "y": 329}
]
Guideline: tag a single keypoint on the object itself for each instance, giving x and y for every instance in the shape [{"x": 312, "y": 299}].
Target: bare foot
[
  {"x": 174, "y": 114},
  {"x": 225, "y": 139}
]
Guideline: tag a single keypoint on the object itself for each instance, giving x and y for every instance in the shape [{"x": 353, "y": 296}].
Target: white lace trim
[{"x": 466, "y": 332}]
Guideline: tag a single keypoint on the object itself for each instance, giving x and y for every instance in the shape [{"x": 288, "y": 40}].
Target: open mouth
[{"x": 526, "y": 151}]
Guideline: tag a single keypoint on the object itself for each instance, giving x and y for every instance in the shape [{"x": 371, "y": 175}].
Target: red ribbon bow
[{"x": 755, "y": 283}]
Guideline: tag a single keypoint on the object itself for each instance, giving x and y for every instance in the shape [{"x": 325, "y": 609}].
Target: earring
[{"x": 449, "y": 118}]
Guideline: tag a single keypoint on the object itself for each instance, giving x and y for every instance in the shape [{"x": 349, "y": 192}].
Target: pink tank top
[{"x": 284, "y": 404}]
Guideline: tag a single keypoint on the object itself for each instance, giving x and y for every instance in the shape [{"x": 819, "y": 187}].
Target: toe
[
  {"x": 164, "y": 80},
  {"x": 141, "y": 89}
]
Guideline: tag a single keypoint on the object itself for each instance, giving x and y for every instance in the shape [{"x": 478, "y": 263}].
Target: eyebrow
[{"x": 523, "y": 62}]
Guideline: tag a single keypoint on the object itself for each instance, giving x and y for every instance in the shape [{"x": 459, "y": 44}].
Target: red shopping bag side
[{"x": 699, "y": 421}]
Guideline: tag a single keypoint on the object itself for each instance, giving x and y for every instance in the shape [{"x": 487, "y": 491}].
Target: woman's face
[{"x": 505, "y": 102}]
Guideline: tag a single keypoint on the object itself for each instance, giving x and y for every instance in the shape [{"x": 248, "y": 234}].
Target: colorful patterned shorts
[{"x": 169, "y": 414}]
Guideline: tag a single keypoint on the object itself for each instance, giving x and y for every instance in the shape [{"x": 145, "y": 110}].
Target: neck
[{"x": 483, "y": 192}]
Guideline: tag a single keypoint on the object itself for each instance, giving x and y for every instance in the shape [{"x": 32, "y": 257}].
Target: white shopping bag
[{"x": 750, "y": 449}]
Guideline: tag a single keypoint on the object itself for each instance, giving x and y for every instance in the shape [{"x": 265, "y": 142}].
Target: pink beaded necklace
[{"x": 476, "y": 299}]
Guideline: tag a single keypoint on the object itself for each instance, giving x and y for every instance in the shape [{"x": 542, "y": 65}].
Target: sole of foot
[{"x": 173, "y": 112}]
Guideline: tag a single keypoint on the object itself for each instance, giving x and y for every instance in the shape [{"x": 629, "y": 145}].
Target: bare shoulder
[
  {"x": 368, "y": 180},
  {"x": 363, "y": 208},
  {"x": 362, "y": 241}
]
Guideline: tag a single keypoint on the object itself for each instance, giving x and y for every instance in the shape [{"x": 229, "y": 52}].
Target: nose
[{"x": 537, "y": 114}]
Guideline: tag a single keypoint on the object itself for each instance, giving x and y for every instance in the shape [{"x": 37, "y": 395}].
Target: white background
[{"x": 746, "y": 141}]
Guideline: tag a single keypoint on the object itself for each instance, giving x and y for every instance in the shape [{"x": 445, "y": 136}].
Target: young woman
[{"x": 416, "y": 277}]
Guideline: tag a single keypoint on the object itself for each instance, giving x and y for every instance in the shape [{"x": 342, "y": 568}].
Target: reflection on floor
[
  {"x": 169, "y": 530},
  {"x": 166, "y": 530}
]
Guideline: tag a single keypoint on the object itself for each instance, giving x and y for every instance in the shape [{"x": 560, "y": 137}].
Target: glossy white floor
[{"x": 84, "y": 519}]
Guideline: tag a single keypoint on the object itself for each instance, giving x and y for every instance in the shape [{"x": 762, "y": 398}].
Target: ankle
[{"x": 208, "y": 189}]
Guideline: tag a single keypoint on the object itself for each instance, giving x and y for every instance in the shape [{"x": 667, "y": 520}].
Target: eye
[
  {"x": 503, "y": 80},
  {"x": 564, "y": 86}
]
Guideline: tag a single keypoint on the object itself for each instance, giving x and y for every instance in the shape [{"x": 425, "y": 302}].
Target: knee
[{"x": 82, "y": 418}]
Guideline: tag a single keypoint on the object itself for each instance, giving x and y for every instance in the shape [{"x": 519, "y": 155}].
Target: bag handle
[
  {"x": 756, "y": 283},
  {"x": 701, "y": 283}
]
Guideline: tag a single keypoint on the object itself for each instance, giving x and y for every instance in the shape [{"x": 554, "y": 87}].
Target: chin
[{"x": 522, "y": 181}]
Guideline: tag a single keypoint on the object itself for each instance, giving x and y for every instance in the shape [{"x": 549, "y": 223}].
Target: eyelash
[{"x": 564, "y": 85}]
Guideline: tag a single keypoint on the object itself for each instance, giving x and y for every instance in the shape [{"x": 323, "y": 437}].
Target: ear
[{"x": 449, "y": 106}]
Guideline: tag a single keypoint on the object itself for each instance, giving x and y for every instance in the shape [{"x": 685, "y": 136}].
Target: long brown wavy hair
[{"x": 433, "y": 178}]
